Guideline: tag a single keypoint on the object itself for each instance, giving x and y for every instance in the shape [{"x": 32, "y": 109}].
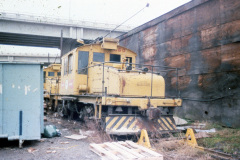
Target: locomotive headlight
[
  {"x": 129, "y": 68},
  {"x": 109, "y": 101},
  {"x": 145, "y": 69}
]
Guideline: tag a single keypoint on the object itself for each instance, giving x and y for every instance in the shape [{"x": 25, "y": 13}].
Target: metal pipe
[
  {"x": 20, "y": 122},
  {"x": 139, "y": 64},
  {"x": 87, "y": 79},
  {"x": 103, "y": 81},
  {"x": 100, "y": 111},
  {"x": 170, "y": 68},
  {"x": 177, "y": 83},
  {"x": 151, "y": 81},
  {"x": 61, "y": 45}
]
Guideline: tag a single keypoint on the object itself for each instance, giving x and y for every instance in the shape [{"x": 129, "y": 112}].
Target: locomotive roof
[{"x": 96, "y": 44}]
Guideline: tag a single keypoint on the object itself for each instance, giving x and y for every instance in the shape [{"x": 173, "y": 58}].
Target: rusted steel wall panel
[{"x": 203, "y": 38}]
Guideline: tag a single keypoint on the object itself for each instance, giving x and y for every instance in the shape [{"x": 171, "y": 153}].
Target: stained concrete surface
[{"x": 202, "y": 38}]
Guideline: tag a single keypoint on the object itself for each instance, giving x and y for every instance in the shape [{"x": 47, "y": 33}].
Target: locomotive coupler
[{"x": 153, "y": 113}]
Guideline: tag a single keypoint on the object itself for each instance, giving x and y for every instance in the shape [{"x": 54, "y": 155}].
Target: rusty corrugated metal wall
[{"x": 203, "y": 38}]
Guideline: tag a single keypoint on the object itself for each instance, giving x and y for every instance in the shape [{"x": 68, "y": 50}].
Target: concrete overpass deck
[{"x": 41, "y": 31}]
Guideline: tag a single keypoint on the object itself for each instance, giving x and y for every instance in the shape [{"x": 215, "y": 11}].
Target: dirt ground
[
  {"x": 64, "y": 148},
  {"x": 51, "y": 148}
]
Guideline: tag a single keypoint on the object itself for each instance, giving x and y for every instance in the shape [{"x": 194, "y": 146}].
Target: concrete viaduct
[{"x": 30, "y": 30}]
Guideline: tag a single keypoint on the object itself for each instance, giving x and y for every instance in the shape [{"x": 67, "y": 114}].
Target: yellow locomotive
[
  {"x": 52, "y": 79},
  {"x": 102, "y": 81}
]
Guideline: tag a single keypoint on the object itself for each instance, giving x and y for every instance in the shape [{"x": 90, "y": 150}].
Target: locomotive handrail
[
  {"x": 104, "y": 93},
  {"x": 138, "y": 64},
  {"x": 100, "y": 64}
]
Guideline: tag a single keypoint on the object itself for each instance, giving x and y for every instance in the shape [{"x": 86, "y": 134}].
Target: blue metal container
[{"x": 21, "y": 101}]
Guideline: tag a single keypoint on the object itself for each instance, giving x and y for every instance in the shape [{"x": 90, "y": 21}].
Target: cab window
[
  {"x": 83, "y": 57},
  {"x": 115, "y": 57},
  {"x": 98, "y": 57},
  {"x": 44, "y": 76},
  {"x": 51, "y": 74},
  {"x": 70, "y": 63},
  {"x": 129, "y": 60},
  {"x": 65, "y": 65},
  {"x": 59, "y": 73}
]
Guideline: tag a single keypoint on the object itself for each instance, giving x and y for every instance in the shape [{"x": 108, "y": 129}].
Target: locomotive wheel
[
  {"x": 47, "y": 104},
  {"x": 86, "y": 112},
  {"x": 70, "y": 115},
  {"x": 83, "y": 114},
  {"x": 62, "y": 111},
  {"x": 102, "y": 124}
]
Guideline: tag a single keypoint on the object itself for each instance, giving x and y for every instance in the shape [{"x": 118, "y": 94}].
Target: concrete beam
[
  {"x": 46, "y": 26},
  {"x": 30, "y": 57}
]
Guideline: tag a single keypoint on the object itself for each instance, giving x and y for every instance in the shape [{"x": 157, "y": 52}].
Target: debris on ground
[
  {"x": 213, "y": 130},
  {"x": 42, "y": 139},
  {"x": 226, "y": 140},
  {"x": 211, "y": 144},
  {"x": 202, "y": 135},
  {"x": 74, "y": 150},
  {"x": 51, "y": 131},
  {"x": 179, "y": 121},
  {"x": 31, "y": 150},
  {"x": 171, "y": 146},
  {"x": 55, "y": 114},
  {"x": 86, "y": 133},
  {"x": 65, "y": 129},
  {"x": 51, "y": 151},
  {"x": 183, "y": 128},
  {"x": 124, "y": 150},
  {"x": 76, "y": 137},
  {"x": 198, "y": 125},
  {"x": 179, "y": 150},
  {"x": 96, "y": 135}
]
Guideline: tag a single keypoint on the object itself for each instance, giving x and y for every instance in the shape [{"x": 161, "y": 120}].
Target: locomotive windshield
[
  {"x": 70, "y": 63},
  {"x": 98, "y": 57},
  {"x": 115, "y": 58},
  {"x": 65, "y": 66},
  {"x": 51, "y": 74},
  {"x": 82, "y": 62}
]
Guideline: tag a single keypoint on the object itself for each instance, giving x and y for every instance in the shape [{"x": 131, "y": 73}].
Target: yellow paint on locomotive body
[
  {"x": 121, "y": 83},
  {"x": 52, "y": 79},
  {"x": 68, "y": 72},
  {"x": 139, "y": 84},
  {"x": 76, "y": 76},
  {"x": 142, "y": 103},
  {"x": 105, "y": 76},
  {"x": 84, "y": 73}
]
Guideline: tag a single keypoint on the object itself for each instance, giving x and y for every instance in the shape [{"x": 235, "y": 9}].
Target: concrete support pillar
[
  {"x": 76, "y": 33},
  {"x": 71, "y": 32},
  {"x": 66, "y": 48},
  {"x": 79, "y": 33}
]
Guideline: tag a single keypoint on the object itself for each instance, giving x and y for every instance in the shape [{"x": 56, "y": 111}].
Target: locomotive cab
[
  {"x": 52, "y": 78},
  {"x": 103, "y": 81},
  {"x": 78, "y": 63}
]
